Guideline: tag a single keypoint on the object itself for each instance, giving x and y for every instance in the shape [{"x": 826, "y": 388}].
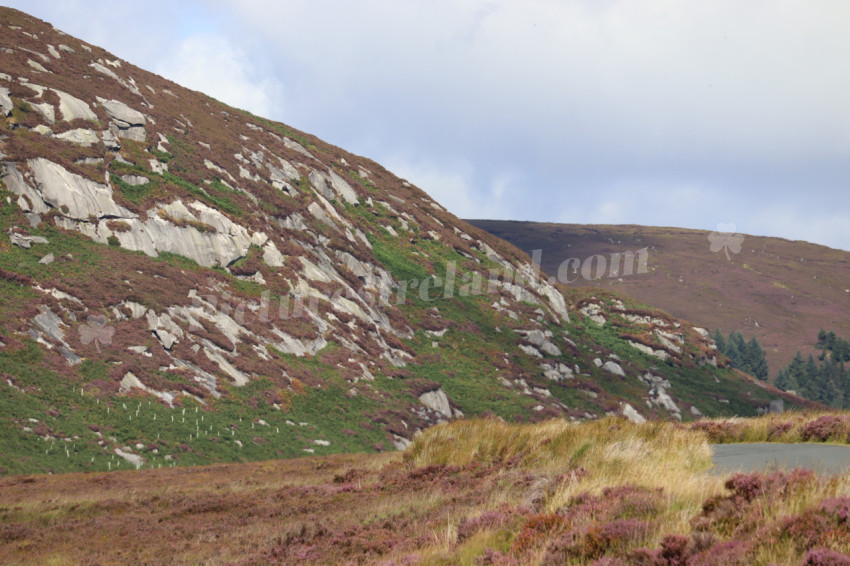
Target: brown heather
[{"x": 469, "y": 492}]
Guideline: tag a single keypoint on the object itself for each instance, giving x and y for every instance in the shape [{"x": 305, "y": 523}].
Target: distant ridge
[{"x": 778, "y": 290}]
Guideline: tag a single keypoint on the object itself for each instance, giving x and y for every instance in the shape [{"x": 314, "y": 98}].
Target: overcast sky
[{"x": 658, "y": 112}]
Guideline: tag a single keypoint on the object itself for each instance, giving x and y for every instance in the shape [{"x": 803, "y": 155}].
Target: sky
[{"x": 685, "y": 113}]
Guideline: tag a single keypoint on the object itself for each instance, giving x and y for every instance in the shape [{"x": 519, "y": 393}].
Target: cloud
[
  {"x": 452, "y": 186},
  {"x": 821, "y": 225},
  {"x": 212, "y": 65},
  {"x": 680, "y": 113}
]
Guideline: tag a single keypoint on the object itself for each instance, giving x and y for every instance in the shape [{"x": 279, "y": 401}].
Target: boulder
[
  {"x": 541, "y": 340},
  {"x": 594, "y": 312},
  {"x": 48, "y": 322},
  {"x": 81, "y": 197},
  {"x": 29, "y": 199},
  {"x": 295, "y": 146},
  {"x": 72, "y": 108},
  {"x": 6, "y": 104},
  {"x": 135, "y": 180},
  {"x": 112, "y": 144},
  {"x": 317, "y": 180},
  {"x": 134, "y": 459},
  {"x": 45, "y": 110},
  {"x": 660, "y": 354},
  {"x": 438, "y": 402},
  {"x": 81, "y": 136},
  {"x": 613, "y": 367},
  {"x": 26, "y": 241},
  {"x": 342, "y": 188},
  {"x": 559, "y": 372},
  {"x": 630, "y": 413},
  {"x": 37, "y": 66},
  {"x": 130, "y": 123}
]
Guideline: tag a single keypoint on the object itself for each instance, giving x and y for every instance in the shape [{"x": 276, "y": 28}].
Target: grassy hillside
[{"x": 184, "y": 283}]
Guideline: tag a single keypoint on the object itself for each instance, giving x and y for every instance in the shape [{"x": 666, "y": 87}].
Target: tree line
[
  {"x": 826, "y": 379},
  {"x": 746, "y": 356}
]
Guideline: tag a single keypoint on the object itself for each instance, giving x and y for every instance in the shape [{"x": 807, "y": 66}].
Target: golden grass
[
  {"x": 612, "y": 451},
  {"x": 415, "y": 507}
]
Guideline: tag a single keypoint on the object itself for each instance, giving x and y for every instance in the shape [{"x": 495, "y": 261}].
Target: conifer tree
[
  {"x": 720, "y": 341},
  {"x": 785, "y": 382},
  {"x": 756, "y": 360}
]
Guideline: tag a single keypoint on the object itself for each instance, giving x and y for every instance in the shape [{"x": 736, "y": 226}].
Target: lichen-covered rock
[
  {"x": 77, "y": 197},
  {"x": 81, "y": 136},
  {"x": 72, "y": 108},
  {"x": 438, "y": 402},
  {"x": 613, "y": 367},
  {"x": 6, "y": 104},
  {"x": 130, "y": 123},
  {"x": 630, "y": 413}
]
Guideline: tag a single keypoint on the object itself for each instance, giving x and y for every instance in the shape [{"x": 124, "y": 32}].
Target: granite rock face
[
  {"x": 129, "y": 122},
  {"x": 5, "y": 102}
]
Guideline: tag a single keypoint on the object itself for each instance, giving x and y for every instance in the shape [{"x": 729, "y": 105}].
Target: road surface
[{"x": 768, "y": 456}]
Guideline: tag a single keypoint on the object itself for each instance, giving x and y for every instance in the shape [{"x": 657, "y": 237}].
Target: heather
[
  {"x": 792, "y": 426},
  {"x": 475, "y": 491}
]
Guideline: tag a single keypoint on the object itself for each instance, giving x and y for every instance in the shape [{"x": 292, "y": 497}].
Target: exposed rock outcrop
[
  {"x": 130, "y": 123},
  {"x": 6, "y": 104},
  {"x": 77, "y": 197}
]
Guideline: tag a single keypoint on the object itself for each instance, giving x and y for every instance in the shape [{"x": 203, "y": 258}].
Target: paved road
[{"x": 822, "y": 458}]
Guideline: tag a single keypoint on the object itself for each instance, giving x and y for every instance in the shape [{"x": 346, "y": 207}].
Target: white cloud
[
  {"x": 212, "y": 65},
  {"x": 682, "y": 113},
  {"x": 451, "y": 186},
  {"x": 819, "y": 225}
]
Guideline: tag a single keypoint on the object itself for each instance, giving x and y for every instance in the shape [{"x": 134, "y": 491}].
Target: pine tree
[
  {"x": 785, "y": 382},
  {"x": 812, "y": 385},
  {"x": 831, "y": 340},
  {"x": 755, "y": 360},
  {"x": 796, "y": 370},
  {"x": 841, "y": 350},
  {"x": 733, "y": 353},
  {"x": 831, "y": 379},
  {"x": 738, "y": 339},
  {"x": 720, "y": 341}
]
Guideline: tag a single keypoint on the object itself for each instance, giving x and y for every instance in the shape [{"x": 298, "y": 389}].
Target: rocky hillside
[
  {"x": 183, "y": 282},
  {"x": 782, "y": 292}
]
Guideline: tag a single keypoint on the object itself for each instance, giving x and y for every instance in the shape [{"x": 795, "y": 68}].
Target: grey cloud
[{"x": 550, "y": 105}]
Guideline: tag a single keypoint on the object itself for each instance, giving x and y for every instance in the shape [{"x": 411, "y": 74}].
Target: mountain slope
[
  {"x": 780, "y": 291},
  {"x": 184, "y": 282}
]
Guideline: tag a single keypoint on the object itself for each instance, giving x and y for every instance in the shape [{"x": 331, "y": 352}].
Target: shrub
[
  {"x": 776, "y": 430},
  {"x": 118, "y": 226},
  {"x": 825, "y": 557},
  {"x": 825, "y": 428},
  {"x": 536, "y": 530},
  {"x": 806, "y": 529},
  {"x": 838, "y": 508},
  {"x": 113, "y": 241},
  {"x": 615, "y": 536}
]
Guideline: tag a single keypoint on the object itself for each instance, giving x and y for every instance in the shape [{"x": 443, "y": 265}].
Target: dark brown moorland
[{"x": 780, "y": 291}]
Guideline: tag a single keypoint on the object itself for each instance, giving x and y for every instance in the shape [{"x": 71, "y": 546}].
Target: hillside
[
  {"x": 182, "y": 282},
  {"x": 782, "y": 292}
]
